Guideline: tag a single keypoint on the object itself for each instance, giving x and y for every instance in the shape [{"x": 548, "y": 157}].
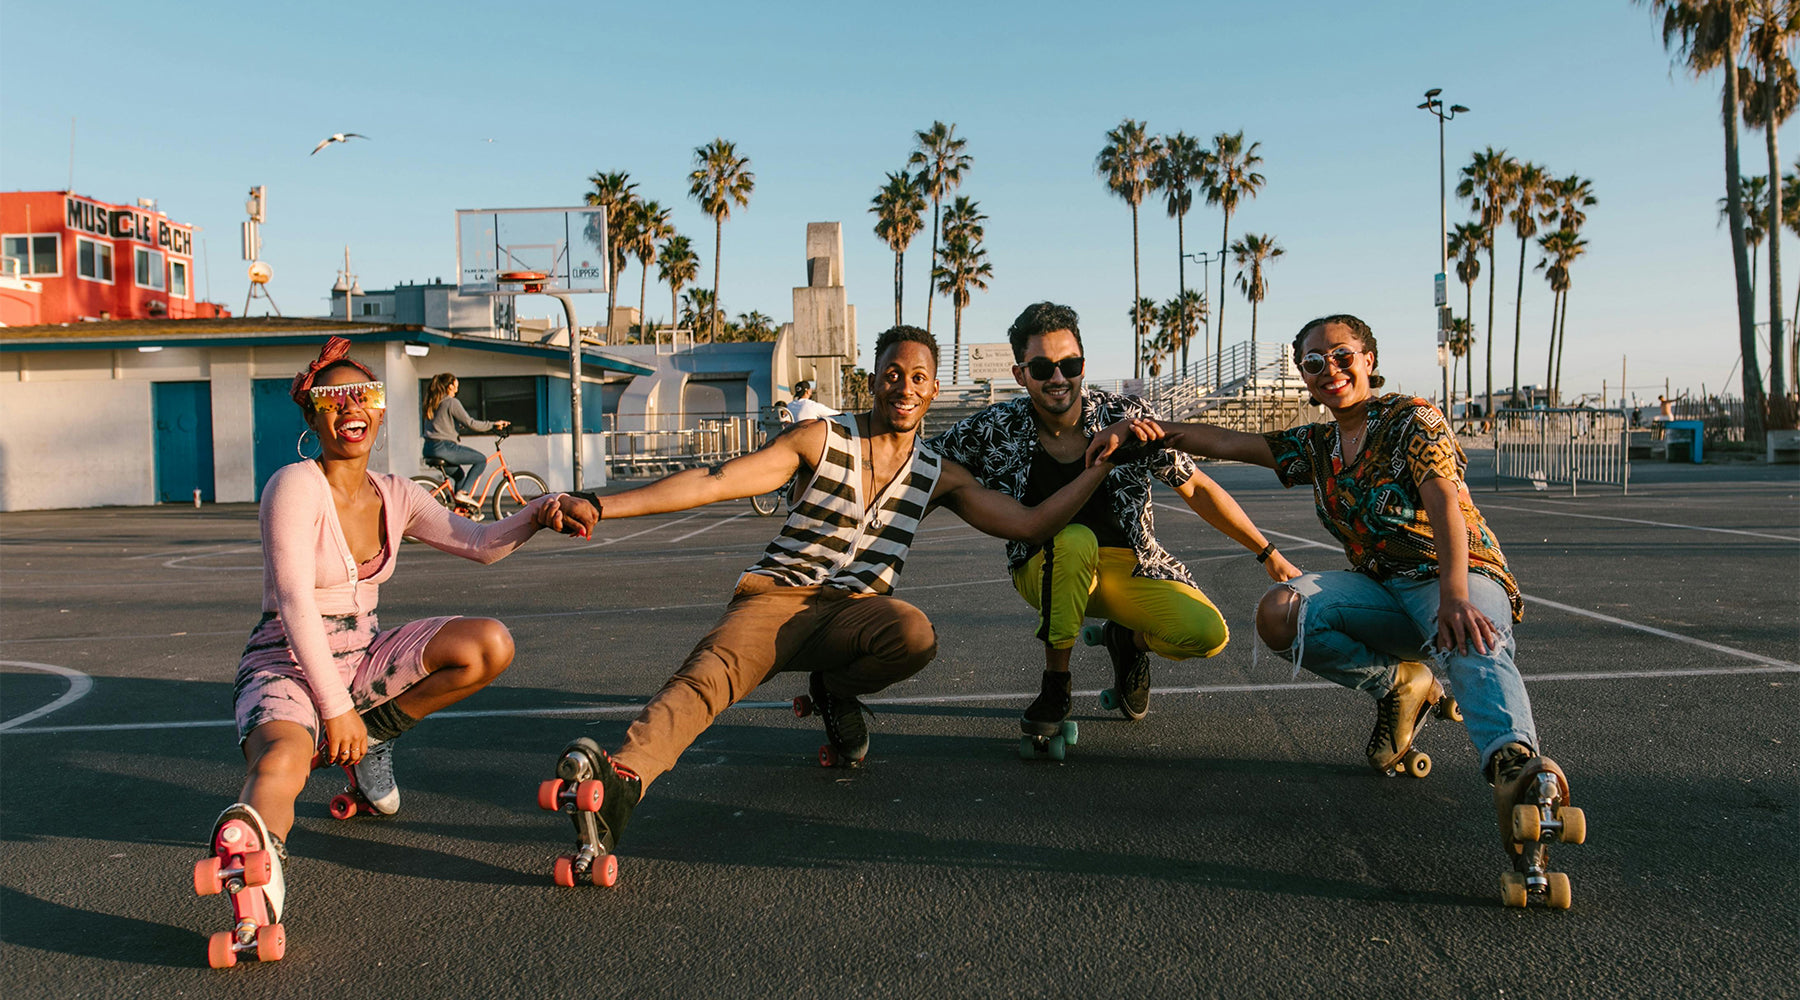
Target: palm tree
[
  {"x": 1461, "y": 339},
  {"x": 899, "y": 209},
  {"x": 698, "y": 306},
  {"x": 962, "y": 266},
  {"x": 612, "y": 191},
  {"x": 940, "y": 155},
  {"x": 1467, "y": 241},
  {"x": 1252, "y": 254},
  {"x": 755, "y": 325},
  {"x": 1143, "y": 316},
  {"x": 679, "y": 266},
  {"x": 1163, "y": 343},
  {"x": 1707, "y": 35},
  {"x": 1531, "y": 200},
  {"x": 1125, "y": 162},
  {"x": 720, "y": 179},
  {"x": 1756, "y": 220},
  {"x": 1790, "y": 217},
  {"x": 1177, "y": 321},
  {"x": 1182, "y": 166},
  {"x": 1487, "y": 183},
  {"x": 1230, "y": 175},
  {"x": 1769, "y": 42},
  {"x": 653, "y": 226},
  {"x": 1560, "y": 248}
]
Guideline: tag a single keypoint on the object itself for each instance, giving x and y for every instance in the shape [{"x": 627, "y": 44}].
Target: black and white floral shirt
[{"x": 997, "y": 445}]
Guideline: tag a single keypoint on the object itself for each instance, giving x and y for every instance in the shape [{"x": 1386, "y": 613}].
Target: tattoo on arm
[{"x": 716, "y": 471}]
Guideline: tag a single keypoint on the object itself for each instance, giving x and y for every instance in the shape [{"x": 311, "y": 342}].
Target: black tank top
[{"x": 1048, "y": 475}]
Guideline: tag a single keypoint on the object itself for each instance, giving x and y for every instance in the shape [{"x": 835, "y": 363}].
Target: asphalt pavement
[{"x": 1233, "y": 843}]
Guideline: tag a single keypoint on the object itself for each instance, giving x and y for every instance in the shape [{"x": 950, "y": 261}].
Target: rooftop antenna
[{"x": 260, "y": 273}]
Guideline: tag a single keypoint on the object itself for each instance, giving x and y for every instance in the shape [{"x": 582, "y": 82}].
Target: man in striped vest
[
  {"x": 1107, "y": 563},
  {"x": 821, "y": 597}
]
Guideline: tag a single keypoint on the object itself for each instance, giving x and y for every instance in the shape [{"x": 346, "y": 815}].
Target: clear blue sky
[{"x": 193, "y": 103}]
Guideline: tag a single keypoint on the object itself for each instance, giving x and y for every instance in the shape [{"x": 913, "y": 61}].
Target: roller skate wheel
[
  {"x": 1057, "y": 748},
  {"x": 220, "y": 950},
  {"x": 803, "y": 707},
  {"x": 563, "y": 871},
  {"x": 342, "y": 806},
  {"x": 589, "y": 795},
  {"x": 548, "y": 793},
  {"x": 206, "y": 877},
  {"x": 605, "y": 871},
  {"x": 259, "y": 868},
  {"x": 1574, "y": 825},
  {"x": 1027, "y": 748},
  {"x": 1093, "y": 635},
  {"x": 1512, "y": 889},
  {"x": 1447, "y": 708},
  {"x": 1070, "y": 731},
  {"x": 828, "y": 756},
  {"x": 1417, "y": 763},
  {"x": 1558, "y": 895},
  {"x": 1526, "y": 824},
  {"x": 1109, "y": 699},
  {"x": 271, "y": 943}
]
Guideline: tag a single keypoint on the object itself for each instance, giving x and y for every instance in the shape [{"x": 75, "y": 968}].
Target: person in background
[
  {"x": 444, "y": 413},
  {"x": 804, "y": 406}
]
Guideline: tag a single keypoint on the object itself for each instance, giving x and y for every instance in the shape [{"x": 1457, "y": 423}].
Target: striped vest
[{"x": 833, "y": 538}]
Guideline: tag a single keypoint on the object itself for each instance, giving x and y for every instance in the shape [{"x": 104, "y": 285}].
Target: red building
[{"x": 68, "y": 258}]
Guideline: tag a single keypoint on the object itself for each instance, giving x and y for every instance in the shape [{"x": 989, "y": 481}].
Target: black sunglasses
[
  {"x": 1042, "y": 368},
  {"x": 1341, "y": 358}
]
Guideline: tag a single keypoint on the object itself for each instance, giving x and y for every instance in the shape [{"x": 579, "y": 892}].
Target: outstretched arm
[
  {"x": 767, "y": 469},
  {"x": 997, "y": 514},
  {"x": 1205, "y": 440},
  {"x": 1219, "y": 509}
]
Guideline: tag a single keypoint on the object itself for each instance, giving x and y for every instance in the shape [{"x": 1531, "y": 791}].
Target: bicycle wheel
[
  {"x": 517, "y": 490},
  {"x": 439, "y": 489},
  {"x": 766, "y": 503}
]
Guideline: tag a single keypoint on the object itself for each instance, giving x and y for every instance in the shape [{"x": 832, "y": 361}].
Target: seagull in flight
[{"x": 337, "y": 137}]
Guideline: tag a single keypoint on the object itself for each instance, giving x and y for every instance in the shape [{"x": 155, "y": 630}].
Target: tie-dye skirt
[{"x": 376, "y": 666}]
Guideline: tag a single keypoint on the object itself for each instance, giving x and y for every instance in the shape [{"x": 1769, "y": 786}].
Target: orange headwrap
[{"x": 335, "y": 350}]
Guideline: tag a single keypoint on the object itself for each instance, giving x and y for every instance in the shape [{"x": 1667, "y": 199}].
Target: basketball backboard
[{"x": 566, "y": 246}]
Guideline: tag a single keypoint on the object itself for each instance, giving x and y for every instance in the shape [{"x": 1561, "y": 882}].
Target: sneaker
[
  {"x": 464, "y": 499},
  {"x": 582, "y": 760},
  {"x": 1401, "y": 713},
  {"x": 1131, "y": 671},
  {"x": 275, "y": 890},
  {"x": 374, "y": 776},
  {"x": 843, "y": 716},
  {"x": 1044, "y": 717}
]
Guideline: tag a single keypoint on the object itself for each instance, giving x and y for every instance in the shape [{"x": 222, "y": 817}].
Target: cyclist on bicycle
[
  {"x": 804, "y": 406},
  {"x": 444, "y": 413}
]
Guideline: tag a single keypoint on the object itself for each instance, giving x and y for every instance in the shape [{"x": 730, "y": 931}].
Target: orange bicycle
[{"x": 511, "y": 490}]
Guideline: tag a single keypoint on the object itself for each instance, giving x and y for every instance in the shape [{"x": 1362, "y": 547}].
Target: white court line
[
  {"x": 709, "y": 527},
  {"x": 951, "y": 699},
  {"x": 79, "y": 685},
  {"x": 177, "y": 563},
  {"x": 1664, "y": 633},
  {"x": 1634, "y": 520}
]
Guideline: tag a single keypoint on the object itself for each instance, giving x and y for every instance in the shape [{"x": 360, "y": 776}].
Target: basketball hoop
[{"x": 532, "y": 281}]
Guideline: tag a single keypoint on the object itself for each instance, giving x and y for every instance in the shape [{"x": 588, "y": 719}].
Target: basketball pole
[{"x": 568, "y": 305}]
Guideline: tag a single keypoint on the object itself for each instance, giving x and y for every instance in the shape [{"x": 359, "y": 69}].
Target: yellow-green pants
[{"x": 1083, "y": 579}]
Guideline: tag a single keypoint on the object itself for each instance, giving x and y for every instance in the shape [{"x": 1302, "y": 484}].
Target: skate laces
[{"x": 1387, "y": 721}]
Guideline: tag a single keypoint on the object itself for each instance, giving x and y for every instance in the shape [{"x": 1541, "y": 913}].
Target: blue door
[
  {"x": 278, "y": 428},
  {"x": 184, "y": 440}
]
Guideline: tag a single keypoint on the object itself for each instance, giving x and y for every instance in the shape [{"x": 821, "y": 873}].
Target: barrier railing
[
  {"x": 634, "y": 454},
  {"x": 1563, "y": 447}
]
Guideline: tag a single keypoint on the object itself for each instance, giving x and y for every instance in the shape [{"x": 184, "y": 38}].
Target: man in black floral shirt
[{"x": 1107, "y": 562}]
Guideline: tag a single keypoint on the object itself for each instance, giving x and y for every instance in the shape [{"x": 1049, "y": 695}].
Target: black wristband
[
  {"x": 1267, "y": 551},
  {"x": 593, "y": 498}
]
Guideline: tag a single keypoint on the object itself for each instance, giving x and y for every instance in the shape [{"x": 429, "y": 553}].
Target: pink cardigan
[{"x": 308, "y": 570}]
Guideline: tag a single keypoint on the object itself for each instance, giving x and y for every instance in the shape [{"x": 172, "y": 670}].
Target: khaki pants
[{"x": 861, "y": 643}]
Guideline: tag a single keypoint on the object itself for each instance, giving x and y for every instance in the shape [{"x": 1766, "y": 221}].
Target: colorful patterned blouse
[{"x": 1373, "y": 506}]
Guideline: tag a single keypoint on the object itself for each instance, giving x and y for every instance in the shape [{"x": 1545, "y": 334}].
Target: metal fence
[
  {"x": 636, "y": 454},
  {"x": 1563, "y": 447}
]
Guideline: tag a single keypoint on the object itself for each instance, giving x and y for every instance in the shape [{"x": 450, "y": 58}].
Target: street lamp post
[
  {"x": 1435, "y": 105},
  {"x": 1206, "y": 260}
]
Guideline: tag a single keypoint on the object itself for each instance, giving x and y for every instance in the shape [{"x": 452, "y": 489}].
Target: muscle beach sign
[{"x": 117, "y": 223}]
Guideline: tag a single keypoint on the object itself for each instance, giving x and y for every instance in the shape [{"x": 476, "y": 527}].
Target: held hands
[
  {"x": 1127, "y": 440},
  {"x": 346, "y": 739},
  {"x": 569, "y": 514},
  {"x": 1461, "y": 625}
]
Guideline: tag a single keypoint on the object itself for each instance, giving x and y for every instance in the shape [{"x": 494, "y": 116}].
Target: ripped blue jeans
[{"x": 1355, "y": 629}]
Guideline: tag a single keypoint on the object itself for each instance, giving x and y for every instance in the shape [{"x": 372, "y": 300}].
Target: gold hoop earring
[{"x": 300, "y": 445}]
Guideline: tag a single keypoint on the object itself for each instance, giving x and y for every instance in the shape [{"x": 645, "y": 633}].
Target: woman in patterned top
[{"x": 1428, "y": 579}]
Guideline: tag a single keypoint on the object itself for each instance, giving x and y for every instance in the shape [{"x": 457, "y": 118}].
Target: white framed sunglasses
[{"x": 333, "y": 398}]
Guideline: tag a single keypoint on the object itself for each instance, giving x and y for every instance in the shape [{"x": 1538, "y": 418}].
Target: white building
[{"x": 142, "y": 412}]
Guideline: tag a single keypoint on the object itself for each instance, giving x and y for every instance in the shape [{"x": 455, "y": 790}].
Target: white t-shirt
[{"x": 809, "y": 409}]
